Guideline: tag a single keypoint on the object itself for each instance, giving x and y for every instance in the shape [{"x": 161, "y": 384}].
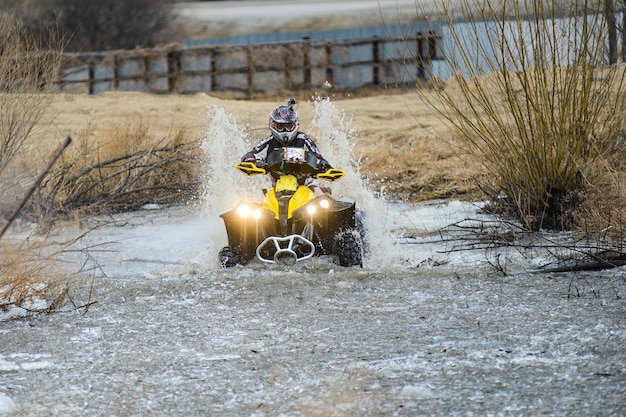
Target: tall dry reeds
[
  {"x": 29, "y": 278},
  {"x": 28, "y": 70},
  {"x": 533, "y": 98}
]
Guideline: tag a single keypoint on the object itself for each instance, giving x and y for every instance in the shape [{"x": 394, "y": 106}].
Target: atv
[{"x": 293, "y": 223}]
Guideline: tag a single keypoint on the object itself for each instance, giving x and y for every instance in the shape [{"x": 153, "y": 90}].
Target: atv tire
[
  {"x": 228, "y": 257},
  {"x": 349, "y": 248}
]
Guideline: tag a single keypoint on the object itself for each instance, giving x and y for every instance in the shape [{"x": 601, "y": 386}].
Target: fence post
[
  {"x": 147, "y": 73},
  {"x": 287, "y": 64},
  {"x": 421, "y": 70},
  {"x": 375, "y": 61},
  {"x": 432, "y": 46},
  {"x": 306, "y": 50},
  {"x": 250, "y": 64},
  {"x": 329, "y": 63},
  {"x": 173, "y": 70},
  {"x": 116, "y": 73},
  {"x": 91, "y": 75},
  {"x": 213, "y": 69}
]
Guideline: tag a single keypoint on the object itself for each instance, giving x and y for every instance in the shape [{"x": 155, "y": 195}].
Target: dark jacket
[{"x": 260, "y": 153}]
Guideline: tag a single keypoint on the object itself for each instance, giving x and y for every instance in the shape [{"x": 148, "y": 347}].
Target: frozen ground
[
  {"x": 422, "y": 329},
  {"x": 417, "y": 331}
]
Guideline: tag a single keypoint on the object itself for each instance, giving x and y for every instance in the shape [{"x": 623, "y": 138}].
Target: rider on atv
[
  {"x": 296, "y": 219},
  {"x": 284, "y": 125}
]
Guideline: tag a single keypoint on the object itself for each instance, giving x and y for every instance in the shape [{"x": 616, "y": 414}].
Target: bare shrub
[
  {"x": 602, "y": 214},
  {"x": 546, "y": 117},
  {"x": 30, "y": 278},
  {"x": 121, "y": 170},
  {"x": 29, "y": 65},
  {"x": 28, "y": 70}
]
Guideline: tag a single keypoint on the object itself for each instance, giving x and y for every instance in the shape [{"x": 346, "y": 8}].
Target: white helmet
[{"x": 284, "y": 122}]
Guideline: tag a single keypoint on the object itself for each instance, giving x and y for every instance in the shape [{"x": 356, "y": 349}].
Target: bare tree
[
  {"x": 95, "y": 25},
  {"x": 98, "y": 25}
]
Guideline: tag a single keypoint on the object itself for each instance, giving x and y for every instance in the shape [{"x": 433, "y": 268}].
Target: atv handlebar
[
  {"x": 250, "y": 168},
  {"x": 331, "y": 174}
]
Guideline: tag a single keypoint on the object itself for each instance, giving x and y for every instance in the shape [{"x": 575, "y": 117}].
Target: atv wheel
[
  {"x": 349, "y": 248},
  {"x": 228, "y": 258}
]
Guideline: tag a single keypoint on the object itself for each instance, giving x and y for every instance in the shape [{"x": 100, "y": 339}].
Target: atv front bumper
[{"x": 285, "y": 250}]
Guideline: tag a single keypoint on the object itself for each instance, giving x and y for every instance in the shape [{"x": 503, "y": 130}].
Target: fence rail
[{"x": 253, "y": 69}]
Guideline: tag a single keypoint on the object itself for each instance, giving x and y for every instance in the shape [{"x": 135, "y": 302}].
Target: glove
[{"x": 324, "y": 166}]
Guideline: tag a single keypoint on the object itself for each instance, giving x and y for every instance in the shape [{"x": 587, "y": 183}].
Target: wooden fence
[{"x": 253, "y": 69}]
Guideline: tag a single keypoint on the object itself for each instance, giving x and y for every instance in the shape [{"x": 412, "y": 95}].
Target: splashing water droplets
[
  {"x": 224, "y": 142},
  {"x": 335, "y": 138}
]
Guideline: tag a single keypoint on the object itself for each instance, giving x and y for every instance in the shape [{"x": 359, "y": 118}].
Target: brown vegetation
[
  {"x": 544, "y": 114},
  {"x": 30, "y": 278},
  {"x": 95, "y": 25},
  {"x": 123, "y": 170},
  {"x": 495, "y": 140},
  {"x": 403, "y": 147}
]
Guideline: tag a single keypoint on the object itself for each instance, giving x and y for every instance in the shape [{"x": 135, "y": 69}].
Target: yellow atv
[{"x": 293, "y": 223}]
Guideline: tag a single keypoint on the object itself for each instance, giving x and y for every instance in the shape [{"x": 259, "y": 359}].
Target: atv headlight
[
  {"x": 244, "y": 210},
  {"x": 247, "y": 211},
  {"x": 316, "y": 206}
]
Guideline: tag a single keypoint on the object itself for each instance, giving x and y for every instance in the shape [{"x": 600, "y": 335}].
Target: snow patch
[{"x": 7, "y": 406}]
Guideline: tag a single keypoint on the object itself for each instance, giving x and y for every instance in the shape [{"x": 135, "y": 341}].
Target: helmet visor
[{"x": 284, "y": 126}]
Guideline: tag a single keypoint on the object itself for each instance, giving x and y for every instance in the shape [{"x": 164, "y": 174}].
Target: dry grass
[
  {"x": 419, "y": 168},
  {"x": 27, "y": 72},
  {"x": 30, "y": 278},
  {"x": 544, "y": 130},
  {"x": 121, "y": 168}
]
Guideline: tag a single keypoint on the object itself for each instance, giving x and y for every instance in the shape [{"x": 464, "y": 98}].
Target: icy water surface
[
  {"x": 434, "y": 334},
  {"x": 422, "y": 329}
]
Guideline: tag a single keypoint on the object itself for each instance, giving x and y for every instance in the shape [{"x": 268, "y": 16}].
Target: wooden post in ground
[
  {"x": 91, "y": 77},
  {"x": 375, "y": 61},
  {"x": 420, "y": 52},
  {"x": 306, "y": 65},
  {"x": 213, "y": 69},
  {"x": 250, "y": 65},
  {"x": 329, "y": 63},
  {"x": 173, "y": 71},
  {"x": 116, "y": 73},
  {"x": 287, "y": 64}
]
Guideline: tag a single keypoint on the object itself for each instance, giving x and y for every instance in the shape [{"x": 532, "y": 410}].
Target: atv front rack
[{"x": 285, "y": 250}]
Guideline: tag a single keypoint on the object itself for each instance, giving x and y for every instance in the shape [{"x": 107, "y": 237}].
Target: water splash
[
  {"x": 225, "y": 141},
  {"x": 335, "y": 137}
]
